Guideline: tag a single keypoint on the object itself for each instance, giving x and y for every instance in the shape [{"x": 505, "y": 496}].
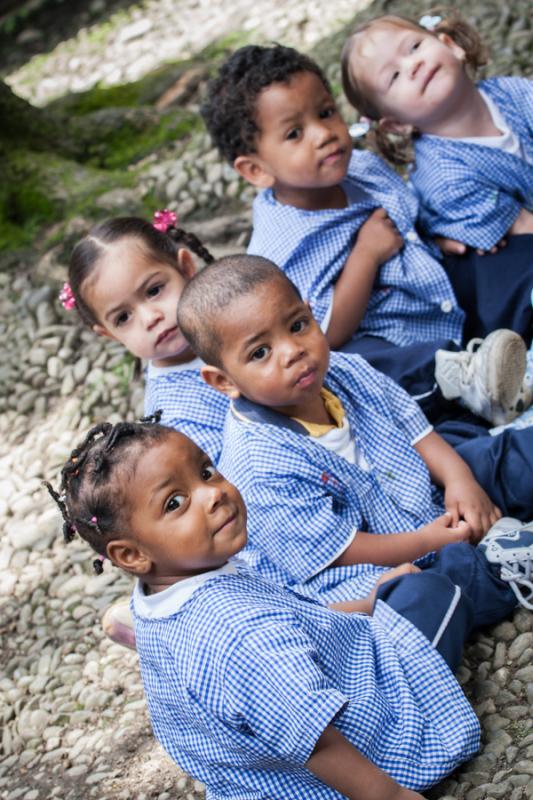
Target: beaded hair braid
[{"x": 90, "y": 504}]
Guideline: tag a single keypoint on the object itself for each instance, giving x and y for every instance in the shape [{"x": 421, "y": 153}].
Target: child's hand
[
  {"x": 379, "y": 236},
  {"x": 522, "y": 224},
  {"x": 395, "y": 572},
  {"x": 443, "y": 531},
  {"x": 451, "y": 247},
  {"x": 466, "y": 500}
]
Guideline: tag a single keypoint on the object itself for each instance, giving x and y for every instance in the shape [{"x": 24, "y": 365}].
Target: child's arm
[
  {"x": 377, "y": 241},
  {"x": 463, "y": 496},
  {"x": 391, "y": 549},
  {"x": 366, "y": 604},
  {"x": 338, "y": 764},
  {"x": 523, "y": 223}
]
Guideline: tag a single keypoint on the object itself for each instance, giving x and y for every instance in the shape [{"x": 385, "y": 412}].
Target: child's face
[
  {"x": 186, "y": 518},
  {"x": 136, "y": 300},
  {"x": 413, "y": 77},
  {"x": 303, "y": 144},
  {"x": 274, "y": 352}
]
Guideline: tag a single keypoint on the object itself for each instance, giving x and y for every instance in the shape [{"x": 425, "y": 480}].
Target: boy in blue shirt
[
  {"x": 271, "y": 113},
  {"x": 260, "y": 692},
  {"x": 331, "y": 455}
]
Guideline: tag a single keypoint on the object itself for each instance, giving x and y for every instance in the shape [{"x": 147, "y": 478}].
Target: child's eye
[
  {"x": 394, "y": 76},
  {"x": 207, "y": 472},
  {"x": 259, "y": 354},
  {"x": 327, "y": 112},
  {"x": 415, "y": 46},
  {"x": 294, "y": 133},
  {"x": 154, "y": 290},
  {"x": 121, "y": 318},
  {"x": 298, "y": 326},
  {"x": 174, "y": 502}
]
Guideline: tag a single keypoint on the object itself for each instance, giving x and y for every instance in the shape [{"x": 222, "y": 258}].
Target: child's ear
[
  {"x": 101, "y": 331},
  {"x": 392, "y": 126},
  {"x": 217, "y": 379},
  {"x": 253, "y": 171},
  {"x": 458, "y": 52},
  {"x": 126, "y": 555},
  {"x": 186, "y": 264}
]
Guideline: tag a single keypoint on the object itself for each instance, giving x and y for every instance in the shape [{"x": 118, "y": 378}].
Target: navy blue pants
[
  {"x": 411, "y": 366},
  {"x": 495, "y": 290},
  {"x": 461, "y": 591},
  {"x": 502, "y": 464}
]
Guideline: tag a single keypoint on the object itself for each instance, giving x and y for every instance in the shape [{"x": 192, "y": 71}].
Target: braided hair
[
  {"x": 160, "y": 246},
  {"x": 91, "y": 496}
]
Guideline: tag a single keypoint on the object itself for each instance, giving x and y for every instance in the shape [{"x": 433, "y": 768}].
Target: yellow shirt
[{"x": 334, "y": 407}]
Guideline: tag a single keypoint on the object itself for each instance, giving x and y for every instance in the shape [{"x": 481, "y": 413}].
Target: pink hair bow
[
  {"x": 66, "y": 297},
  {"x": 164, "y": 219}
]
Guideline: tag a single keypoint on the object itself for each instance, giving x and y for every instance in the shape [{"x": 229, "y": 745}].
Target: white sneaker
[
  {"x": 509, "y": 544},
  {"x": 487, "y": 377}
]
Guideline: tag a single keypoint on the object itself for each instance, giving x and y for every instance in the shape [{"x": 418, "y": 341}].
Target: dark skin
[{"x": 186, "y": 518}]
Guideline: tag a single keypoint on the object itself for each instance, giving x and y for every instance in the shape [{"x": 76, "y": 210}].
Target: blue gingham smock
[
  {"x": 242, "y": 678},
  {"x": 412, "y": 299},
  {"x": 305, "y": 502},
  {"x": 471, "y": 192},
  {"x": 189, "y": 405}
]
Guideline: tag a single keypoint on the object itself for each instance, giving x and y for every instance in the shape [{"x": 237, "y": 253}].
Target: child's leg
[
  {"x": 502, "y": 465},
  {"x": 459, "y": 592},
  {"x": 494, "y": 290}
]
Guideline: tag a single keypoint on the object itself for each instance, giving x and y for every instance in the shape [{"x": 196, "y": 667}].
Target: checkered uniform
[
  {"x": 305, "y": 502},
  {"x": 471, "y": 192},
  {"x": 412, "y": 299},
  {"x": 189, "y": 405},
  {"x": 242, "y": 678}
]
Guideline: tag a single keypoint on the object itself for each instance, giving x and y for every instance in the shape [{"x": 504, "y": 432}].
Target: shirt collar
[{"x": 166, "y": 603}]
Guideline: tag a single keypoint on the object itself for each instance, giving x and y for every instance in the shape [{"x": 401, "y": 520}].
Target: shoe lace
[
  {"x": 467, "y": 362},
  {"x": 519, "y": 574}
]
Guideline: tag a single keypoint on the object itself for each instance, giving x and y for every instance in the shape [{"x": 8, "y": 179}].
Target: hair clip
[
  {"x": 429, "y": 22},
  {"x": 66, "y": 297},
  {"x": 164, "y": 219},
  {"x": 93, "y": 519},
  {"x": 360, "y": 128}
]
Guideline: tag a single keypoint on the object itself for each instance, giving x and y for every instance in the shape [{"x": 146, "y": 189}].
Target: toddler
[
  {"x": 125, "y": 279},
  {"x": 256, "y": 691},
  {"x": 473, "y": 150},
  {"x": 331, "y": 456},
  {"x": 379, "y": 293}
]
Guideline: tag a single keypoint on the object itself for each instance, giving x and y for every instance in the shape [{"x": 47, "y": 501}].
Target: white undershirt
[
  {"x": 341, "y": 441},
  {"x": 508, "y": 141}
]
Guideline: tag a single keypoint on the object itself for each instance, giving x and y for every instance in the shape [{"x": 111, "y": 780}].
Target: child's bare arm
[
  {"x": 463, "y": 496},
  {"x": 523, "y": 223},
  {"x": 338, "y": 764},
  {"x": 366, "y": 604},
  {"x": 377, "y": 241},
  {"x": 391, "y": 549}
]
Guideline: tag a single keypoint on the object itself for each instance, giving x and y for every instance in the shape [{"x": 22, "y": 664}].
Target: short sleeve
[
  {"x": 321, "y": 524},
  {"x": 405, "y": 411},
  {"x": 275, "y": 691},
  {"x": 477, "y": 215}
]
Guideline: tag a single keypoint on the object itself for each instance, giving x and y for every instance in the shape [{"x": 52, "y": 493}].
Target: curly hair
[{"x": 229, "y": 110}]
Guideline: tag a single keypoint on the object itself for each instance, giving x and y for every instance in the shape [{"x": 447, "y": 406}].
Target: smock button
[
  {"x": 411, "y": 236},
  {"x": 446, "y": 306}
]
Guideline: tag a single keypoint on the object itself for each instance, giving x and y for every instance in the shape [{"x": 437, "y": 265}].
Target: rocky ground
[{"x": 74, "y": 722}]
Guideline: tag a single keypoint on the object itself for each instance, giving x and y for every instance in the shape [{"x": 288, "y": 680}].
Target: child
[
  {"x": 271, "y": 114},
  {"x": 332, "y": 456},
  {"x": 256, "y": 691},
  {"x": 473, "y": 145},
  {"x": 126, "y": 277}
]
